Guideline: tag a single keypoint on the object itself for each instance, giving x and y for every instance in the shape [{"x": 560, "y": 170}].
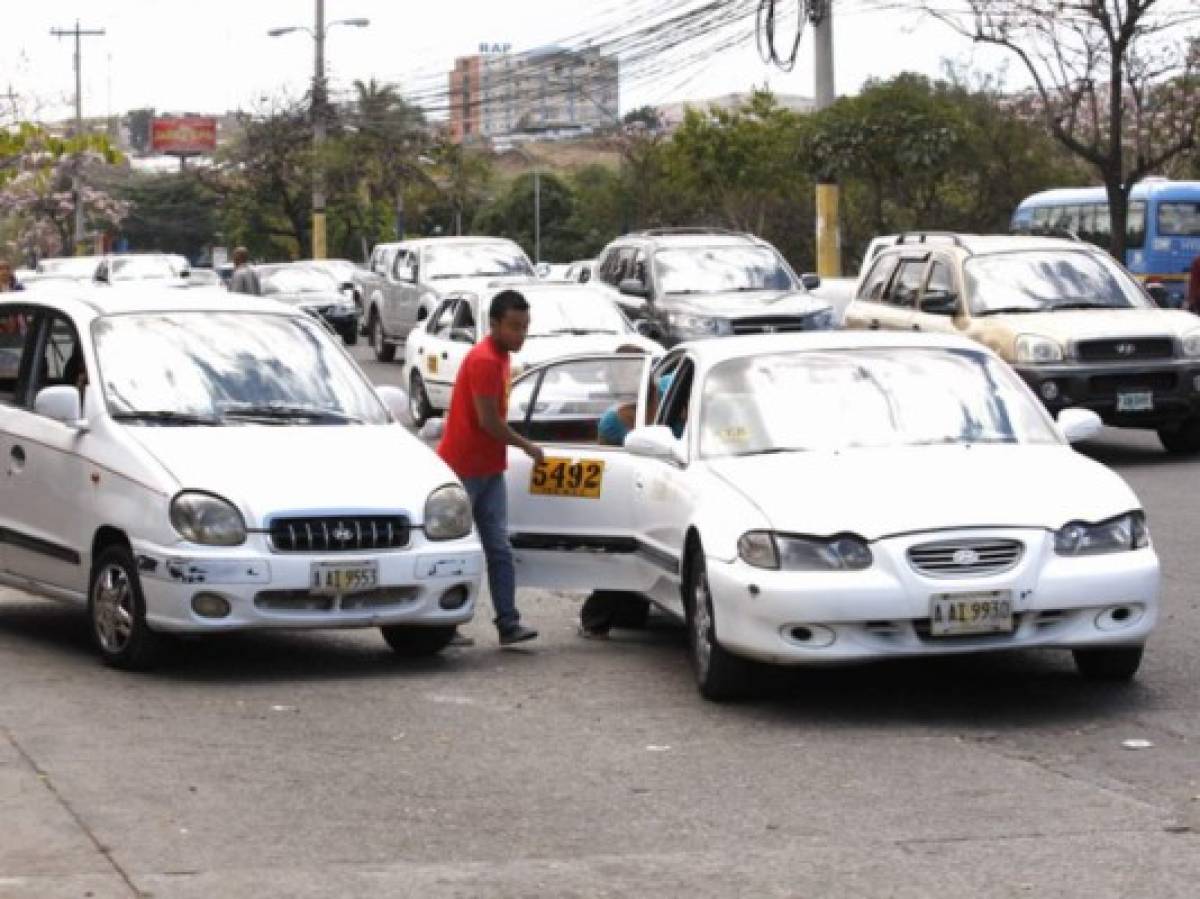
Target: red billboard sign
[{"x": 184, "y": 134}]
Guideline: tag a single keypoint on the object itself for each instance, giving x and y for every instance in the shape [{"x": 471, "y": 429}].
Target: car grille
[
  {"x": 1154, "y": 381},
  {"x": 341, "y": 533},
  {"x": 768, "y": 324},
  {"x": 303, "y": 601},
  {"x": 965, "y": 558},
  {"x": 1125, "y": 349}
]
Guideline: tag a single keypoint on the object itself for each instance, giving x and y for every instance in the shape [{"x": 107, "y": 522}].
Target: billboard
[{"x": 184, "y": 134}]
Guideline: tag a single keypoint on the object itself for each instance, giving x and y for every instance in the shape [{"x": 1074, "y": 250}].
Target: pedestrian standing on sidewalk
[
  {"x": 475, "y": 446},
  {"x": 245, "y": 279}
]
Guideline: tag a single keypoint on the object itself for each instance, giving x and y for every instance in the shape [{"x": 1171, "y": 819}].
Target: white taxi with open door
[{"x": 832, "y": 497}]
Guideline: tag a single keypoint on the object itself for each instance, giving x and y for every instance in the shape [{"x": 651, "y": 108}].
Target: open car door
[{"x": 571, "y": 518}]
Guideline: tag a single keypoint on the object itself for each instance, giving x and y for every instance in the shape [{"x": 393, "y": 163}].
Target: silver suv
[{"x": 690, "y": 283}]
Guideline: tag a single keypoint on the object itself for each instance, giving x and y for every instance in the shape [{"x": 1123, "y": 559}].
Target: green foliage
[
  {"x": 176, "y": 213},
  {"x": 512, "y": 215}
]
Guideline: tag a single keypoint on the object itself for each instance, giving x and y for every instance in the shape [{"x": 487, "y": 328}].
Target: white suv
[{"x": 172, "y": 466}]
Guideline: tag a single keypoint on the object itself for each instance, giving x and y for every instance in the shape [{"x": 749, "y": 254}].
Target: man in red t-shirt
[
  {"x": 1192, "y": 301},
  {"x": 475, "y": 445}
]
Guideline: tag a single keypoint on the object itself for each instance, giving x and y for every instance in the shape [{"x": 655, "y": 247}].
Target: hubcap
[
  {"x": 113, "y": 608},
  {"x": 701, "y": 624}
]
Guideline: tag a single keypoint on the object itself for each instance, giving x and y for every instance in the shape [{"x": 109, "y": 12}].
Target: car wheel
[
  {"x": 419, "y": 406},
  {"x": 1119, "y": 663},
  {"x": 350, "y": 334},
  {"x": 1182, "y": 439},
  {"x": 720, "y": 675},
  {"x": 414, "y": 641},
  {"x": 604, "y": 609},
  {"x": 631, "y": 611},
  {"x": 117, "y": 610},
  {"x": 384, "y": 351}
]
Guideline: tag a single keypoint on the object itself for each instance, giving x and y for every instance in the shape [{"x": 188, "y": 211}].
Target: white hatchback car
[
  {"x": 832, "y": 497},
  {"x": 174, "y": 464}
]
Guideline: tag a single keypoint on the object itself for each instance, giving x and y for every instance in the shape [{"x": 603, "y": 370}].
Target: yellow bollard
[{"x": 829, "y": 238}]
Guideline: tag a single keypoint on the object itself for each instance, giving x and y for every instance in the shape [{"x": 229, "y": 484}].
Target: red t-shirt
[{"x": 469, "y": 450}]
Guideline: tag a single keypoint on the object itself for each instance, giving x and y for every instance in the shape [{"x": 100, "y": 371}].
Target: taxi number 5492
[{"x": 567, "y": 477}]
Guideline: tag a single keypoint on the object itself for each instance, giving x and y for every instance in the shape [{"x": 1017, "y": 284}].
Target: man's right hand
[{"x": 534, "y": 452}]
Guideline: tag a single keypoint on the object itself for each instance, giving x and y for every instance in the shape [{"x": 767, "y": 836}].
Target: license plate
[
  {"x": 567, "y": 477},
  {"x": 343, "y": 577},
  {"x": 1142, "y": 401},
  {"x": 955, "y": 614}
]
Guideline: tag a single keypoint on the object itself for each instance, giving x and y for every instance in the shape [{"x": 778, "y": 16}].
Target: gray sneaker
[{"x": 518, "y": 633}]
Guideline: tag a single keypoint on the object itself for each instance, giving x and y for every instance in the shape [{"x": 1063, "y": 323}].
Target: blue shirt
[{"x": 610, "y": 429}]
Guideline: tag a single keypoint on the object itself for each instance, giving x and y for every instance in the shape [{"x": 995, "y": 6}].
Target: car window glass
[
  {"x": 907, "y": 283},
  {"x": 572, "y": 397},
  {"x": 1135, "y": 226},
  {"x": 401, "y": 263},
  {"x": 464, "y": 317},
  {"x": 439, "y": 325},
  {"x": 877, "y": 279},
  {"x": 941, "y": 279},
  {"x": 60, "y": 361},
  {"x": 673, "y": 409},
  {"x": 16, "y": 331},
  {"x": 1179, "y": 219}
]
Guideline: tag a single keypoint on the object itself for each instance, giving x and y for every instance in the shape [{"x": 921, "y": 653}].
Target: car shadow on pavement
[{"x": 1130, "y": 448}]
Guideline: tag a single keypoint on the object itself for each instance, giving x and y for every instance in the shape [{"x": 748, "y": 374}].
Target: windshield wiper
[
  {"x": 556, "y": 331},
  {"x": 775, "y": 450},
  {"x": 1011, "y": 310},
  {"x": 283, "y": 412},
  {"x": 1085, "y": 304},
  {"x": 166, "y": 417}
]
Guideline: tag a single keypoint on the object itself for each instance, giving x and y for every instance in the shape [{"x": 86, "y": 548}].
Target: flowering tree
[{"x": 38, "y": 174}]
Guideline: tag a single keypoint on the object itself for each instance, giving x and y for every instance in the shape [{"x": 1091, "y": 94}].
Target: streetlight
[{"x": 317, "y": 33}]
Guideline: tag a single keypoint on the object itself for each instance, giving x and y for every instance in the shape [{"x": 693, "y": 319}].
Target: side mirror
[
  {"x": 61, "y": 403},
  {"x": 1158, "y": 292},
  {"x": 648, "y": 328},
  {"x": 655, "y": 442},
  {"x": 462, "y": 335},
  {"x": 407, "y": 274},
  {"x": 810, "y": 281},
  {"x": 347, "y": 285},
  {"x": 396, "y": 400},
  {"x": 1079, "y": 424},
  {"x": 632, "y": 287},
  {"x": 940, "y": 302}
]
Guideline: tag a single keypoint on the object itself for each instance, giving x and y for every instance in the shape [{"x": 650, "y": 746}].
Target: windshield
[
  {"x": 296, "y": 279},
  {"x": 228, "y": 368},
  {"x": 143, "y": 267},
  {"x": 70, "y": 267},
  {"x": 573, "y": 312},
  {"x": 843, "y": 399},
  {"x": 1179, "y": 219},
  {"x": 1045, "y": 280},
  {"x": 716, "y": 269},
  {"x": 478, "y": 260}
]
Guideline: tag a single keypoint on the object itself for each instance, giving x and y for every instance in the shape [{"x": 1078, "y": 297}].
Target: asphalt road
[{"x": 320, "y": 765}]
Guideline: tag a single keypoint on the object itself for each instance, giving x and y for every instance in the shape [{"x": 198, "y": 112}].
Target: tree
[
  {"x": 1111, "y": 80},
  {"x": 140, "y": 123},
  {"x": 174, "y": 213},
  {"x": 644, "y": 116},
  {"x": 512, "y": 214}
]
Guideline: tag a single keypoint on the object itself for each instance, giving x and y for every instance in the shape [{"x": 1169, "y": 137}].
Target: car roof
[
  {"x": 148, "y": 297},
  {"x": 981, "y": 244},
  {"x": 445, "y": 241},
  {"x": 691, "y": 239},
  {"x": 712, "y": 351}
]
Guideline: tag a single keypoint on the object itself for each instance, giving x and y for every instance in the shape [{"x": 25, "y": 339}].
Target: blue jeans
[{"x": 489, "y": 505}]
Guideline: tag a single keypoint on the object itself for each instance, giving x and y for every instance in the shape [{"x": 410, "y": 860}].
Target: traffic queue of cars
[{"x": 779, "y": 493}]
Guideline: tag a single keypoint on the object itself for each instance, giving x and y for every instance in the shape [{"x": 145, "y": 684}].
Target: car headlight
[
  {"x": 765, "y": 549},
  {"x": 1038, "y": 350},
  {"x": 1120, "y": 534},
  {"x": 1191, "y": 343},
  {"x": 207, "y": 519},
  {"x": 447, "y": 513},
  {"x": 701, "y": 325}
]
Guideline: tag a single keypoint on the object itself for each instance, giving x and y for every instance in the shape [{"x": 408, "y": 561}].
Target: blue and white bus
[{"x": 1162, "y": 233}]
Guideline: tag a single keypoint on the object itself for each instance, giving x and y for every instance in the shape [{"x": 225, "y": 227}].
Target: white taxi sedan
[
  {"x": 832, "y": 497},
  {"x": 174, "y": 464},
  {"x": 563, "y": 319}
]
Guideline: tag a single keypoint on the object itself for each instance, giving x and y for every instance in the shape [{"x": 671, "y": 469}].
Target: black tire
[
  {"x": 384, "y": 351},
  {"x": 1118, "y": 663},
  {"x": 117, "y": 613},
  {"x": 631, "y": 611},
  {"x": 606, "y": 609},
  {"x": 419, "y": 406},
  {"x": 413, "y": 641},
  {"x": 1182, "y": 439},
  {"x": 720, "y": 675}
]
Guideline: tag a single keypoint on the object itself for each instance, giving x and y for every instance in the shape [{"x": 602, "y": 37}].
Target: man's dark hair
[{"x": 506, "y": 301}]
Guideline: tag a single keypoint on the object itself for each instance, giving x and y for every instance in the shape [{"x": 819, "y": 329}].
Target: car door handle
[
  {"x": 445, "y": 355},
  {"x": 17, "y": 454},
  {"x": 916, "y": 327},
  {"x": 874, "y": 326}
]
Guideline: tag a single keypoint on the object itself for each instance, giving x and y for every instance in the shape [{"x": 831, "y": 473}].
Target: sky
[{"x": 208, "y": 57}]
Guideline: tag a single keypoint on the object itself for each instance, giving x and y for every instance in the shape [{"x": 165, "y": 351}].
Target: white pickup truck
[{"x": 405, "y": 281}]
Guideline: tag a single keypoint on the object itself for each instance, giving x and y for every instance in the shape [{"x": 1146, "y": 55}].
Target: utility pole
[
  {"x": 319, "y": 250},
  {"x": 829, "y": 252},
  {"x": 76, "y": 189},
  {"x": 537, "y": 216}
]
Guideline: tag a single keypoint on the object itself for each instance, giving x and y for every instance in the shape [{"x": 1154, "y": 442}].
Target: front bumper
[
  {"x": 267, "y": 589},
  {"x": 1097, "y": 386},
  {"x": 884, "y": 611}
]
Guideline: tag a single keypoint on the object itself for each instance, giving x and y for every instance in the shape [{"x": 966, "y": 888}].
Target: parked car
[
  {"x": 407, "y": 280},
  {"x": 313, "y": 290},
  {"x": 204, "y": 277},
  {"x": 125, "y": 267},
  {"x": 563, "y": 319},
  {"x": 81, "y": 267},
  {"x": 345, "y": 272},
  {"x": 1073, "y": 322},
  {"x": 175, "y": 465},
  {"x": 691, "y": 283},
  {"x": 836, "y": 497}
]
